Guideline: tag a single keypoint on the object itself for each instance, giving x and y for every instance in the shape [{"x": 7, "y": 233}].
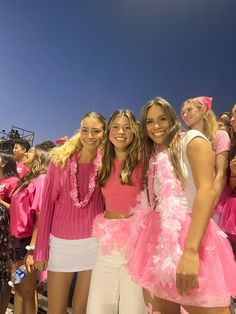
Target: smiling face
[
  {"x": 120, "y": 133},
  {"x": 157, "y": 125},
  {"x": 91, "y": 133},
  {"x": 191, "y": 114}
]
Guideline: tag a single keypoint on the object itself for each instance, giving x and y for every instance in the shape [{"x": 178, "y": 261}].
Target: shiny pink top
[
  {"x": 7, "y": 185},
  {"x": 24, "y": 205},
  {"x": 60, "y": 217},
  {"x": 121, "y": 197}
]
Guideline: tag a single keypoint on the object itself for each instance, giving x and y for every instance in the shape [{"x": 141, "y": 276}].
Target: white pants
[{"x": 111, "y": 289}]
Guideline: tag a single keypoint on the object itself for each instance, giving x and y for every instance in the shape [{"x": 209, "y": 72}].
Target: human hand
[
  {"x": 187, "y": 272},
  {"x": 29, "y": 263},
  {"x": 41, "y": 265}
]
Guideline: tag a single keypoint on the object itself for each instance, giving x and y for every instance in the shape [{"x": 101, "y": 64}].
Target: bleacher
[{"x": 7, "y": 138}]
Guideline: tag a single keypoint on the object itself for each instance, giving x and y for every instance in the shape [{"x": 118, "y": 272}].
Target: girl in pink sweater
[{"x": 72, "y": 199}]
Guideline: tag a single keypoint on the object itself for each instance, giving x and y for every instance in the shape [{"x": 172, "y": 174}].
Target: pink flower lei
[
  {"x": 92, "y": 180},
  {"x": 172, "y": 215}
]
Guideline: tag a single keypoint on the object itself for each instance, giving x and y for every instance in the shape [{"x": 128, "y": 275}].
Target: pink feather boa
[{"x": 172, "y": 215}]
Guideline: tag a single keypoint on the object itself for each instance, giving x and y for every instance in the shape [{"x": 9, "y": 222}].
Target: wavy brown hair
[
  {"x": 132, "y": 154},
  {"x": 172, "y": 141}
]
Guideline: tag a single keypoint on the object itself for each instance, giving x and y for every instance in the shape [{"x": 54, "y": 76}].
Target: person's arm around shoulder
[{"x": 200, "y": 157}]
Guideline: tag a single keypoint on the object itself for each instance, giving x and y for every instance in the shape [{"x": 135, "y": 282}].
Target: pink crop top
[{"x": 121, "y": 197}]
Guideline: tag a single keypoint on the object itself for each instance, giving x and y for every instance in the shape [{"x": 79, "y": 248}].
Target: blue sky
[{"x": 62, "y": 58}]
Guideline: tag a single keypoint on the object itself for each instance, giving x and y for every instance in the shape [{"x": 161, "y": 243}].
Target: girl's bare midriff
[{"x": 117, "y": 215}]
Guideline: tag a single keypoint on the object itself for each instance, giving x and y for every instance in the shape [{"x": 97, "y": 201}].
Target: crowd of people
[{"x": 141, "y": 213}]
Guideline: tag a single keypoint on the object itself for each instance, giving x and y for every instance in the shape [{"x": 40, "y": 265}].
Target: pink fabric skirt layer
[
  {"x": 217, "y": 265},
  {"x": 112, "y": 234},
  {"x": 228, "y": 217}
]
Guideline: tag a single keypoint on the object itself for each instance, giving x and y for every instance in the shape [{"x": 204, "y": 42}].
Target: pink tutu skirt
[
  {"x": 217, "y": 265},
  {"x": 228, "y": 216},
  {"x": 112, "y": 234}
]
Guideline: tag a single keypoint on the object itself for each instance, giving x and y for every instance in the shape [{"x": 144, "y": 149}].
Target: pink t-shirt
[
  {"x": 221, "y": 142},
  {"x": 7, "y": 185},
  {"x": 60, "y": 217},
  {"x": 21, "y": 169},
  {"x": 24, "y": 205},
  {"x": 121, "y": 197}
]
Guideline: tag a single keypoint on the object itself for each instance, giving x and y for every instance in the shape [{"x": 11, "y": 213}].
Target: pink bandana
[{"x": 205, "y": 101}]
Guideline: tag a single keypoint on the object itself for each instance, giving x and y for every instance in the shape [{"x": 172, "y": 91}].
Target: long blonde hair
[
  {"x": 210, "y": 124},
  {"x": 172, "y": 141},
  {"x": 132, "y": 153},
  {"x": 61, "y": 154}
]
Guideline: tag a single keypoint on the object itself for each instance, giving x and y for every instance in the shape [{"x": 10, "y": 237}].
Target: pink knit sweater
[{"x": 59, "y": 216}]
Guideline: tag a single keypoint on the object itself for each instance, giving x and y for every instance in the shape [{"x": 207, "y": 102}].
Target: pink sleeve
[
  {"x": 50, "y": 195},
  {"x": 38, "y": 191},
  {"x": 11, "y": 186},
  {"x": 221, "y": 142}
]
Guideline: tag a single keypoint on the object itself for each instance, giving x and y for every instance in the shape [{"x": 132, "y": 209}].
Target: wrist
[{"x": 190, "y": 249}]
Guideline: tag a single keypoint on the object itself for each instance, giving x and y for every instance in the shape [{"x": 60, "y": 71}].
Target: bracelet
[{"x": 30, "y": 247}]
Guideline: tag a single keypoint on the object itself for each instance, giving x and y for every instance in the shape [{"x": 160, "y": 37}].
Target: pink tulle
[
  {"x": 228, "y": 216},
  {"x": 217, "y": 269},
  {"x": 112, "y": 234},
  {"x": 158, "y": 239}
]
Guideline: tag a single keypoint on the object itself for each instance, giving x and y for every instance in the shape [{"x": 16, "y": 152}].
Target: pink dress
[{"x": 159, "y": 234}]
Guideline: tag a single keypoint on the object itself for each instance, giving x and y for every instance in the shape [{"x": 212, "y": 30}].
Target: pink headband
[
  {"x": 205, "y": 101},
  {"x": 62, "y": 139}
]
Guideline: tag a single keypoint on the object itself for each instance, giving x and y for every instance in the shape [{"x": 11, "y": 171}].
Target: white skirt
[{"x": 71, "y": 255}]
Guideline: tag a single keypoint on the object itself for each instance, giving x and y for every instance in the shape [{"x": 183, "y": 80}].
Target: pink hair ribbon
[{"x": 205, "y": 101}]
